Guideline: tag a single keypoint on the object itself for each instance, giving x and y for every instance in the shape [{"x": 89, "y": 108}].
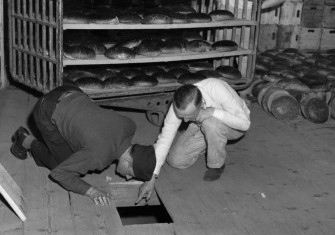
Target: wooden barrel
[
  {"x": 269, "y": 95},
  {"x": 314, "y": 109},
  {"x": 332, "y": 106},
  {"x": 262, "y": 92},
  {"x": 331, "y": 76},
  {"x": 282, "y": 105},
  {"x": 323, "y": 71},
  {"x": 262, "y": 66},
  {"x": 257, "y": 86}
]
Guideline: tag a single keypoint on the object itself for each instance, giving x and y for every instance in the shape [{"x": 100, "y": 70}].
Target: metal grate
[{"x": 35, "y": 37}]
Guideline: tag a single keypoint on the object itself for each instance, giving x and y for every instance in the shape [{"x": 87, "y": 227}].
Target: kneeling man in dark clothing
[{"x": 80, "y": 136}]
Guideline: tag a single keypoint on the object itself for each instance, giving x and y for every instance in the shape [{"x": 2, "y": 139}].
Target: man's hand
[
  {"x": 204, "y": 114},
  {"x": 146, "y": 190},
  {"x": 99, "y": 197}
]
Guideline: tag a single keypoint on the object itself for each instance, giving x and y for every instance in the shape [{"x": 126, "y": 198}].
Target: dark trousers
[{"x": 53, "y": 149}]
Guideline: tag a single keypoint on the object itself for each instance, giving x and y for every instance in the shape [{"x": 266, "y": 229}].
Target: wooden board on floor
[
  {"x": 195, "y": 206},
  {"x": 15, "y": 107},
  {"x": 279, "y": 179},
  {"x": 124, "y": 192},
  {"x": 274, "y": 183},
  {"x": 149, "y": 229},
  {"x": 12, "y": 193},
  {"x": 94, "y": 219}
]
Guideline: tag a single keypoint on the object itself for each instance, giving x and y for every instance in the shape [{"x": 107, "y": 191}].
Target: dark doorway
[{"x": 144, "y": 215}]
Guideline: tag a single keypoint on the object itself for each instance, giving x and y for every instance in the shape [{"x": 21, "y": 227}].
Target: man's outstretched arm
[
  {"x": 146, "y": 190},
  {"x": 68, "y": 173}
]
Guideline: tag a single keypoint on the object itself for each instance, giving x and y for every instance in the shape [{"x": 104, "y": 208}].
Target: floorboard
[{"x": 279, "y": 179}]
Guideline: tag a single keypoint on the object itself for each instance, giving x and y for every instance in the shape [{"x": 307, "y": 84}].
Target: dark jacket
[{"x": 96, "y": 135}]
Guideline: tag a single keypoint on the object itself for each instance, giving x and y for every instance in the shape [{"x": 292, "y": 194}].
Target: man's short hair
[{"x": 185, "y": 95}]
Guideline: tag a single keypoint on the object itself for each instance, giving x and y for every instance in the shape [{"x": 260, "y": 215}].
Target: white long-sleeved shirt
[{"x": 228, "y": 106}]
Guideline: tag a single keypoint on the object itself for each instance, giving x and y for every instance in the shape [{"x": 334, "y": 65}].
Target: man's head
[
  {"x": 187, "y": 101},
  {"x": 138, "y": 161}
]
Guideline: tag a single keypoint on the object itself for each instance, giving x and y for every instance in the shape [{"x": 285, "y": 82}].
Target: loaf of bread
[
  {"x": 219, "y": 15},
  {"x": 167, "y": 67},
  {"x": 191, "y": 35},
  {"x": 178, "y": 18},
  {"x": 225, "y": 45},
  {"x": 120, "y": 53},
  {"x": 315, "y": 82},
  {"x": 180, "y": 8},
  {"x": 150, "y": 70},
  {"x": 90, "y": 83},
  {"x": 149, "y": 47},
  {"x": 198, "y": 46},
  {"x": 103, "y": 17},
  {"x": 103, "y": 74},
  {"x": 74, "y": 17},
  {"x": 262, "y": 66},
  {"x": 165, "y": 77},
  {"x": 199, "y": 18},
  {"x": 144, "y": 81},
  {"x": 170, "y": 48},
  {"x": 157, "y": 19},
  {"x": 131, "y": 44},
  {"x": 191, "y": 78},
  {"x": 289, "y": 74},
  {"x": 182, "y": 42},
  {"x": 128, "y": 18},
  {"x": 75, "y": 74},
  {"x": 196, "y": 66},
  {"x": 177, "y": 72},
  {"x": 78, "y": 52},
  {"x": 118, "y": 82},
  {"x": 130, "y": 72},
  {"x": 210, "y": 73},
  {"x": 98, "y": 47},
  {"x": 229, "y": 72}
]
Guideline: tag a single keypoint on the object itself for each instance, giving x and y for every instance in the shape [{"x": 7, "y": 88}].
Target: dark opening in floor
[{"x": 144, "y": 215}]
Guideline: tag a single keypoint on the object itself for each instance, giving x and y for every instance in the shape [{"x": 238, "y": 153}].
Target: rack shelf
[
  {"x": 36, "y": 39},
  {"x": 100, "y": 59},
  {"x": 148, "y": 90},
  {"x": 218, "y": 24}
]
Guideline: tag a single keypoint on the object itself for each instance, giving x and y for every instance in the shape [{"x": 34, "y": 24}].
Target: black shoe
[
  {"x": 17, "y": 149},
  {"x": 213, "y": 173}
]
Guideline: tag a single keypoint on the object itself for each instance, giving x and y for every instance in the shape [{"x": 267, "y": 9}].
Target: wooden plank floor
[{"x": 279, "y": 179}]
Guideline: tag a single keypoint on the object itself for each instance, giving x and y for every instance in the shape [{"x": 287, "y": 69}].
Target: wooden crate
[
  {"x": 270, "y": 16},
  {"x": 312, "y": 16},
  {"x": 314, "y": 2},
  {"x": 3, "y": 79},
  {"x": 328, "y": 17},
  {"x": 290, "y": 13},
  {"x": 327, "y": 39},
  {"x": 267, "y": 37},
  {"x": 329, "y": 2},
  {"x": 310, "y": 38},
  {"x": 288, "y": 36}
]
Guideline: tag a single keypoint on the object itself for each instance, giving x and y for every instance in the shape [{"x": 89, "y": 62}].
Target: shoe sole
[{"x": 20, "y": 156}]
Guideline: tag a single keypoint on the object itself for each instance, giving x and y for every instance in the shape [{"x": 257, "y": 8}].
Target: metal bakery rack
[{"x": 37, "y": 61}]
